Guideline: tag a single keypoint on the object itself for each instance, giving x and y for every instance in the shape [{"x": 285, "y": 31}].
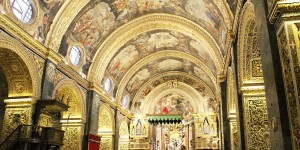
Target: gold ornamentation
[
  {"x": 166, "y": 53},
  {"x": 146, "y": 23},
  {"x": 18, "y": 64},
  {"x": 72, "y": 138},
  {"x": 13, "y": 117},
  {"x": 251, "y": 82},
  {"x": 290, "y": 89},
  {"x": 256, "y": 123}
]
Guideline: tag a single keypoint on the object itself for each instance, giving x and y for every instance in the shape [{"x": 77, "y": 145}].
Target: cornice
[
  {"x": 73, "y": 75},
  {"x": 282, "y": 6},
  {"x": 26, "y": 39}
]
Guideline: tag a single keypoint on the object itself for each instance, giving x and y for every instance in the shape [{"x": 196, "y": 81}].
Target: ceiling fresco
[
  {"x": 161, "y": 66},
  {"x": 47, "y": 10},
  {"x": 154, "y": 41},
  {"x": 204, "y": 89},
  {"x": 174, "y": 104},
  {"x": 101, "y": 18}
]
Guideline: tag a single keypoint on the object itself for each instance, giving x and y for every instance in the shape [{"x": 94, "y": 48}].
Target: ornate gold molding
[
  {"x": 11, "y": 45},
  {"x": 282, "y": 6},
  {"x": 194, "y": 97},
  {"x": 27, "y": 39},
  {"x": 68, "y": 91}
]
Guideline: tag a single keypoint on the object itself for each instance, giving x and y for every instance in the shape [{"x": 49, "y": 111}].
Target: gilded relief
[{"x": 290, "y": 89}]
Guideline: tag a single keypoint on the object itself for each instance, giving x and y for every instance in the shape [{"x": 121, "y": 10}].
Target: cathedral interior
[{"x": 149, "y": 74}]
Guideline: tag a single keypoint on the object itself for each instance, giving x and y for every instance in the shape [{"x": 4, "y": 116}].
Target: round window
[
  {"x": 107, "y": 85},
  {"x": 22, "y": 9},
  {"x": 75, "y": 55},
  {"x": 125, "y": 101}
]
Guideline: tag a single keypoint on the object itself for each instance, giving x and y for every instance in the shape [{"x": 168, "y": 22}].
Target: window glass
[
  {"x": 107, "y": 85},
  {"x": 75, "y": 55},
  {"x": 22, "y": 9}
]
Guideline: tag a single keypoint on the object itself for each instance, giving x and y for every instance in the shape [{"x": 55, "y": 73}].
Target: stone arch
[
  {"x": 251, "y": 83},
  {"x": 249, "y": 57},
  {"x": 106, "y": 126},
  {"x": 197, "y": 101},
  {"x": 20, "y": 68},
  {"x": 73, "y": 120}
]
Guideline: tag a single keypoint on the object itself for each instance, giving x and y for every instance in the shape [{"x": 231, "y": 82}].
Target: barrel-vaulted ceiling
[{"x": 140, "y": 44}]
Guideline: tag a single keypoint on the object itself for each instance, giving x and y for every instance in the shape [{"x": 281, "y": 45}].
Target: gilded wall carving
[
  {"x": 19, "y": 66},
  {"x": 105, "y": 122},
  {"x": 106, "y": 144},
  {"x": 256, "y": 123},
  {"x": 290, "y": 89},
  {"x": 106, "y": 127},
  {"x": 13, "y": 117},
  {"x": 234, "y": 136},
  {"x": 45, "y": 120},
  {"x": 251, "y": 82},
  {"x": 72, "y": 138}
]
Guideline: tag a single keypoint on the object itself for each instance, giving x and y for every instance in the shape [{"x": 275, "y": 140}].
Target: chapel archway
[
  {"x": 106, "y": 127},
  {"x": 251, "y": 82},
  {"x": 73, "y": 120},
  {"x": 20, "y": 82}
]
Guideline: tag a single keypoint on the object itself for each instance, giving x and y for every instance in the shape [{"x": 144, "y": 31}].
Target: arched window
[
  {"x": 22, "y": 9},
  {"x": 75, "y": 55},
  {"x": 107, "y": 85},
  {"x": 125, "y": 101}
]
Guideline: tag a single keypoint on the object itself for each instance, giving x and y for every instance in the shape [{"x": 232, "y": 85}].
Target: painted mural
[
  {"x": 156, "y": 67},
  {"x": 154, "y": 41},
  {"x": 98, "y": 20},
  {"x": 49, "y": 10},
  {"x": 206, "y": 92},
  {"x": 174, "y": 104}
]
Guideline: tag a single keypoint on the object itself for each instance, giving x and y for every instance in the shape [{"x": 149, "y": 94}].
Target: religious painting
[
  {"x": 174, "y": 104},
  {"x": 93, "y": 25},
  {"x": 157, "y": 66},
  {"x": 124, "y": 59},
  {"x": 202, "y": 75},
  {"x": 102, "y": 17},
  {"x": 50, "y": 8},
  {"x": 154, "y": 41}
]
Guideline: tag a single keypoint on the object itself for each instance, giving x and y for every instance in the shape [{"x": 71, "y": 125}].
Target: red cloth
[
  {"x": 165, "y": 110},
  {"x": 94, "y": 142}
]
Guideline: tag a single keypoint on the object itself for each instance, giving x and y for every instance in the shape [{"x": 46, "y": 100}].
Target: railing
[
  {"x": 25, "y": 133},
  {"x": 22, "y": 131}
]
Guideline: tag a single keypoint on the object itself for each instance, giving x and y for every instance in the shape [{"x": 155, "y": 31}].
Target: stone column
[
  {"x": 274, "y": 92},
  {"x": 226, "y": 127}
]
